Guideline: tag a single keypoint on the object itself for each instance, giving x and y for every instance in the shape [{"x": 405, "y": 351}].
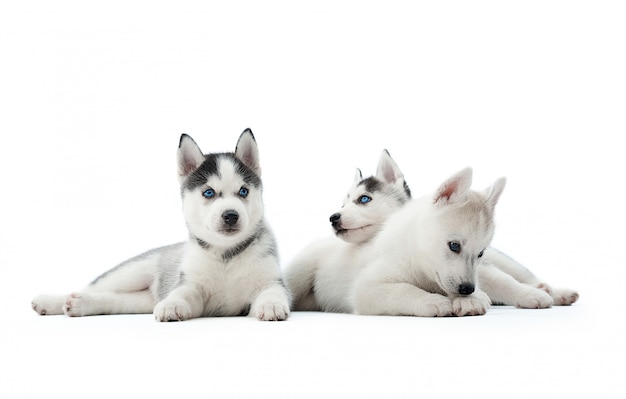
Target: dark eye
[
  {"x": 480, "y": 255},
  {"x": 364, "y": 199},
  {"x": 454, "y": 246},
  {"x": 243, "y": 192},
  {"x": 209, "y": 193}
]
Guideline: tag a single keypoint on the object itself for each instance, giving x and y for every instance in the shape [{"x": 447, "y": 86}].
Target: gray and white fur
[{"x": 228, "y": 267}]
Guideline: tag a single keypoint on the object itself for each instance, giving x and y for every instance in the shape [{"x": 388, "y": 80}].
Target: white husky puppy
[
  {"x": 227, "y": 267},
  {"x": 425, "y": 261},
  {"x": 321, "y": 276}
]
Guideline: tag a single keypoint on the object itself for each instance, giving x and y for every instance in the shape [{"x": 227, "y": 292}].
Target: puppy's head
[
  {"x": 370, "y": 201},
  {"x": 222, "y": 192},
  {"x": 459, "y": 228}
]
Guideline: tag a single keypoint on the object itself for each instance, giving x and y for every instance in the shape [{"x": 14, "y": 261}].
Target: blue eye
[
  {"x": 209, "y": 193},
  {"x": 364, "y": 199},
  {"x": 243, "y": 192},
  {"x": 454, "y": 246}
]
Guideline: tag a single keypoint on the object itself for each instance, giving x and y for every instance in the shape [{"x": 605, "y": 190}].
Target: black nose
[
  {"x": 334, "y": 218},
  {"x": 230, "y": 217},
  {"x": 466, "y": 289}
]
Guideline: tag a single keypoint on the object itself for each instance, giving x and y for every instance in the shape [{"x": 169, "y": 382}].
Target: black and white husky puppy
[
  {"x": 228, "y": 266},
  {"x": 322, "y": 276}
]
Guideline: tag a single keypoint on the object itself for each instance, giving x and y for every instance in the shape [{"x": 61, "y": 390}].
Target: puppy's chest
[
  {"x": 228, "y": 288},
  {"x": 220, "y": 277}
]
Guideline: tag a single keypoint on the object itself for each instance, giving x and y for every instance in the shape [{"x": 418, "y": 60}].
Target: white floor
[{"x": 573, "y": 352}]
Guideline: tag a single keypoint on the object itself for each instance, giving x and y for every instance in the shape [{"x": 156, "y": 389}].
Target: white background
[{"x": 93, "y": 98}]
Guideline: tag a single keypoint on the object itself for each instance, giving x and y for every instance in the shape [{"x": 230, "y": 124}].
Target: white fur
[
  {"x": 413, "y": 270},
  {"x": 224, "y": 269},
  {"x": 321, "y": 276}
]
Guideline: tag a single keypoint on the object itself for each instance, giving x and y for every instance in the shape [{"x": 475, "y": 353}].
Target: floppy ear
[
  {"x": 189, "y": 156},
  {"x": 358, "y": 176},
  {"x": 248, "y": 152},
  {"x": 493, "y": 193},
  {"x": 388, "y": 170},
  {"x": 454, "y": 189}
]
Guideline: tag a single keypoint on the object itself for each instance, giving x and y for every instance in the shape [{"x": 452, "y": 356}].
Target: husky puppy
[
  {"x": 228, "y": 266},
  {"x": 321, "y": 276},
  {"x": 425, "y": 261}
]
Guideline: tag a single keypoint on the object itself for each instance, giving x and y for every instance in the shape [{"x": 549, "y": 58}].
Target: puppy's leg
[
  {"x": 503, "y": 289},
  {"x": 100, "y": 303},
  {"x": 125, "y": 289},
  {"x": 300, "y": 281},
  {"x": 48, "y": 304},
  {"x": 560, "y": 296},
  {"x": 183, "y": 303},
  {"x": 510, "y": 266},
  {"x": 398, "y": 299},
  {"x": 271, "y": 304}
]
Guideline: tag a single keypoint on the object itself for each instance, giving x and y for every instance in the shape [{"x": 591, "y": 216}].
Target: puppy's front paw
[
  {"x": 272, "y": 304},
  {"x": 472, "y": 305},
  {"x": 271, "y": 311},
  {"x": 172, "y": 310},
  {"x": 435, "y": 306}
]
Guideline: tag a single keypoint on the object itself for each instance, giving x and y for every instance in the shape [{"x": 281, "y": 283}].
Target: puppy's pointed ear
[
  {"x": 493, "y": 193},
  {"x": 358, "y": 176},
  {"x": 248, "y": 152},
  {"x": 454, "y": 189},
  {"x": 388, "y": 170},
  {"x": 190, "y": 156}
]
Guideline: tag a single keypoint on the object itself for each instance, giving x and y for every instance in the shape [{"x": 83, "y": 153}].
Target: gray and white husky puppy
[
  {"x": 228, "y": 266},
  {"x": 321, "y": 277}
]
